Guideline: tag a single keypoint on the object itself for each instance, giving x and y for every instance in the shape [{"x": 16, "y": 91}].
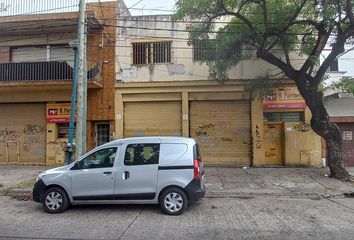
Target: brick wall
[{"x": 100, "y": 101}]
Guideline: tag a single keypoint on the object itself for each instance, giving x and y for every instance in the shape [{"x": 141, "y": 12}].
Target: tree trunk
[{"x": 329, "y": 131}]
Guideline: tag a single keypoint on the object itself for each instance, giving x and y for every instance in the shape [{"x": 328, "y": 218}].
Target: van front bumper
[
  {"x": 38, "y": 190},
  {"x": 195, "y": 190}
]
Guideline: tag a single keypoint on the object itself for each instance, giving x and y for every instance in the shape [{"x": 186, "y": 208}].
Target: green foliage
[
  {"x": 260, "y": 87},
  {"x": 346, "y": 84},
  {"x": 281, "y": 27}
]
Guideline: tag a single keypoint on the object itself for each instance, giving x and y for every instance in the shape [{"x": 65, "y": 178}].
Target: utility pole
[
  {"x": 81, "y": 83},
  {"x": 71, "y": 145}
]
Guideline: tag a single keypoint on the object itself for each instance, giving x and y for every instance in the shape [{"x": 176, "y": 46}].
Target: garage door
[
  {"x": 22, "y": 133},
  {"x": 222, "y": 129},
  {"x": 152, "y": 119}
]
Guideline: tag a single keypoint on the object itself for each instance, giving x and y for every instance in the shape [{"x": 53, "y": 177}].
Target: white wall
[{"x": 182, "y": 67}]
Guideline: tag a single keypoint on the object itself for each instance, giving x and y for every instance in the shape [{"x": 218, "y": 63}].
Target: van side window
[
  {"x": 102, "y": 158},
  {"x": 142, "y": 154}
]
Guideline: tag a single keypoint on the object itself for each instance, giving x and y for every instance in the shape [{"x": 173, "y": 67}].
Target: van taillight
[{"x": 196, "y": 169}]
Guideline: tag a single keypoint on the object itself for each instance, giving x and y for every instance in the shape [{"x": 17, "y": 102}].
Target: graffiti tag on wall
[
  {"x": 302, "y": 127},
  {"x": 8, "y": 135},
  {"x": 33, "y": 134}
]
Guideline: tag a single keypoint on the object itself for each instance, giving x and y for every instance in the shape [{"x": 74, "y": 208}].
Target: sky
[
  {"x": 23, "y": 7},
  {"x": 145, "y": 7}
]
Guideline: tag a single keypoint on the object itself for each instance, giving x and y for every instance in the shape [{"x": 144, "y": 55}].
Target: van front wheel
[
  {"x": 173, "y": 201},
  {"x": 55, "y": 200}
]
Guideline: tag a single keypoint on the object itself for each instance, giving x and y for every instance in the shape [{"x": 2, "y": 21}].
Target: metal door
[{"x": 273, "y": 143}]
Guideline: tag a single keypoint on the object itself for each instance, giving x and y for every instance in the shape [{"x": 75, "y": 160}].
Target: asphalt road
[{"x": 213, "y": 218}]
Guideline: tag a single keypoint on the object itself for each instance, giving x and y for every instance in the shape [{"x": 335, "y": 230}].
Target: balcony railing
[{"x": 41, "y": 71}]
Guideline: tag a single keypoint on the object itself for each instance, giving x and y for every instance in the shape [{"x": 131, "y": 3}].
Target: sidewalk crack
[
  {"x": 131, "y": 223},
  {"x": 340, "y": 204}
]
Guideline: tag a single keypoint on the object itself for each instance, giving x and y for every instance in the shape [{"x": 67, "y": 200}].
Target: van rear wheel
[
  {"x": 55, "y": 200},
  {"x": 173, "y": 201}
]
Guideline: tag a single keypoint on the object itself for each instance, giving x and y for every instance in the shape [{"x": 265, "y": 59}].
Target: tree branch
[
  {"x": 296, "y": 14},
  {"x": 322, "y": 38},
  {"x": 337, "y": 49},
  {"x": 270, "y": 58},
  {"x": 238, "y": 15}
]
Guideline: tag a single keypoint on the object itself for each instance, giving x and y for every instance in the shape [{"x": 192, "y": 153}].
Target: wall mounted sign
[
  {"x": 284, "y": 98},
  {"x": 58, "y": 113}
]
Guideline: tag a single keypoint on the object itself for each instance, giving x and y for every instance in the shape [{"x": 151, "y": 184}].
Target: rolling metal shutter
[
  {"x": 22, "y": 133},
  {"x": 223, "y": 131},
  {"x": 152, "y": 119}
]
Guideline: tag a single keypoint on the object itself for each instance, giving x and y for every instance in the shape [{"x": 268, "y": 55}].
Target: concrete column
[
  {"x": 185, "y": 114},
  {"x": 119, "y": 115},
  {"x": 257, "y": 132}
]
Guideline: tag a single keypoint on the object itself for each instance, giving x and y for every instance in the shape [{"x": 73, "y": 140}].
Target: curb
[
  {"x": 26, "y": 194},
  {"x": 19, "y": 194}
]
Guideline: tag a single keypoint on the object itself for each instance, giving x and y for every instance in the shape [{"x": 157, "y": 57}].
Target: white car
[{"x": 145, "y": 170}]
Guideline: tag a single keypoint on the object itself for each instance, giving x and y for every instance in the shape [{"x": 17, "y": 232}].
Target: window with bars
[
  {"x": 203, "y": 50},
  {"x": 334, "y": 66},
  {"x": 151, "y": 52},
  {"x": 63, "y": 130},
  {"x": 102, "y": 133},
  {"x": 284, "y": 116},
  {"x": 207, "y": 49}
]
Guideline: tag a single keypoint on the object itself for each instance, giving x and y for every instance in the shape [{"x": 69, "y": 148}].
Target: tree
[{"x": 272, "y": 30}]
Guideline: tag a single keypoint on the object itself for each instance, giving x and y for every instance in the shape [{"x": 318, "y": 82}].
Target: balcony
[{"x": 44, "y": 73}]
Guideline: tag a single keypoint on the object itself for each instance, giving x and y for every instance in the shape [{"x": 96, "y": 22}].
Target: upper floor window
[
  {"x": 207, "y": 49},
  {"x": 151, "y": 52},
  {"x": 334, "y": 66},
  {"x": 203, "y": 50},
  {"x": 43, "y": 53}
]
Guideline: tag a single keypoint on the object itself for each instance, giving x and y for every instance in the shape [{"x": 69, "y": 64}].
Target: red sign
[
  {"x": 58, "y": 113},
  {"x": 58, "y": 120},
  {"x": 288, "y": 105},
  {"x": 284, "y": 98}
]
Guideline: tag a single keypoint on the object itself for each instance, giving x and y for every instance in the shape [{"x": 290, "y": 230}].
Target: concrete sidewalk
[
  {"x": 223, "y": 181},
  {"x": 292, "y": 182}
]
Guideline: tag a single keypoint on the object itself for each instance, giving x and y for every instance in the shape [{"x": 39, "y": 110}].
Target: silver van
[{"x": 147, "y": 170}]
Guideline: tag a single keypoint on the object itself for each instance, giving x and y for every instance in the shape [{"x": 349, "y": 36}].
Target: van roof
[{"x": 160, "y": 139}]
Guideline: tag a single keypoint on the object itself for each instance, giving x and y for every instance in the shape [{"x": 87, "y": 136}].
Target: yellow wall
[
  {"x": 54, "y": 151},
  {"x": 257, "y": 132},
  {"x": 302, "y": 145}
]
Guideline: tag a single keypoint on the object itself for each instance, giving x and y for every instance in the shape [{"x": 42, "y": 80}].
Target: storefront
[
  {"x": 22, "y": 133},
  {"x": 285, "y": 136},
  {"x": 58, "y": 118},
  {"x": 217, "y": 116}
]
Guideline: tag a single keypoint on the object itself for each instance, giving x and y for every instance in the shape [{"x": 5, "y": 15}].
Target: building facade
[
  {"x": 36, "y": 71},
  {"x": 338, "y": 103},
  {"x": 163, "y": 88}
]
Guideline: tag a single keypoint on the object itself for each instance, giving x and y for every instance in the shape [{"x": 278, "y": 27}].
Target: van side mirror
[{"x": 76, "y": 166}]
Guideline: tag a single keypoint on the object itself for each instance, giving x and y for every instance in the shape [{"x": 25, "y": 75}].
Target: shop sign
[
  {"x": 284, "y": 98},
  {"x": 58, "y": 113}
]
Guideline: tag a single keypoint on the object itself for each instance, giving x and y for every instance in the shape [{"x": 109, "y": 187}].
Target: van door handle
[
  {"x": 126, "y": 175},
  {"x": 107, "y": 173}
]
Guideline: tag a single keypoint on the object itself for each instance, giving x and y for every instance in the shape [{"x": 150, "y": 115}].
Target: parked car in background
[{"x": 146, "y": 170}]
